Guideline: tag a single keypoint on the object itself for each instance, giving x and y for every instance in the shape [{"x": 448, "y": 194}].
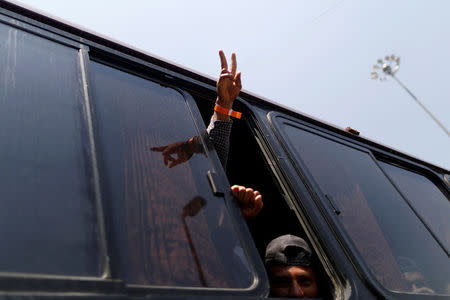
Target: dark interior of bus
[{"x": 248, "y": 167}]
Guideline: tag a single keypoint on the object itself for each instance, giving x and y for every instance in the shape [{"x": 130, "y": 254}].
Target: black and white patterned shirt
[{"x": 219, "y": 134}]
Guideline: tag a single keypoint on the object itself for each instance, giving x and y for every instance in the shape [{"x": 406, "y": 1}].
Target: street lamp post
[{"x": 390, "y": 66}]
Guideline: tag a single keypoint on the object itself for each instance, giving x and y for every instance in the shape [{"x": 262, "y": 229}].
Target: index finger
[
  {"x": 158, "y": 149},
  {"x": 223, "y": 60}
]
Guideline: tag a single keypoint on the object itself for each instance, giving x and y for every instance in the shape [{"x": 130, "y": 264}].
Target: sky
[{"x": 314, "y": 56}]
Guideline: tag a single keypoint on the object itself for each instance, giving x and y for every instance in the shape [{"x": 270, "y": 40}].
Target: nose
[{"x": 296, "y": 290}]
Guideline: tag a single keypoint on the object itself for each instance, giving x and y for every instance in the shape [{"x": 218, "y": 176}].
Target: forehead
[{"x": 291, "y": 271}]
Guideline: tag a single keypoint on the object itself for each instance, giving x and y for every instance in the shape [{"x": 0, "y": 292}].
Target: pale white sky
[{"x": 315, "y": 56}]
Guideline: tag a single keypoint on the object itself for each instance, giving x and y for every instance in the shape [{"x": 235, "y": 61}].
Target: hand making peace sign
[{"x": 229, "y": 83}]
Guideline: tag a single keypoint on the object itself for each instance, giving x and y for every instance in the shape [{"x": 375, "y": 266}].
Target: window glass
[
  {"x": 167, "y": 227},
  {"x": 395, "y": 245},
  {"x": 47, "y": 210},
  {"x": 426, "y": 198}
]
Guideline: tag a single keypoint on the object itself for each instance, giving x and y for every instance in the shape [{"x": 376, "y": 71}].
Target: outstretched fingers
[
  {"x": 223, "y": 60},
  {"x": 233, "y": 64},
  {"x": 158, "y": 149}
]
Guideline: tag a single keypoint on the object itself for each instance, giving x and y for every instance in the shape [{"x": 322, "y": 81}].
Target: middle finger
[{"x": 233, "y": 64}]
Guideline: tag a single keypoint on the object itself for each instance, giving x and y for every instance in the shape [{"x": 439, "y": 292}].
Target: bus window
[
  {"x": 386, "y": 233},
  {"x": 426, "y": 198},
  {"x": 167, "y": 227},
  {"x": 48, "y": 221}
]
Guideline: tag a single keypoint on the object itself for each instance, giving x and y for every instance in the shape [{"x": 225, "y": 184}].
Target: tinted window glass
[
  {"x": 47, "y": 211},
  {"x": 395, "y": 245},
  {"x": 426, "y": 198},
  {"x": 167, "y": 227}
]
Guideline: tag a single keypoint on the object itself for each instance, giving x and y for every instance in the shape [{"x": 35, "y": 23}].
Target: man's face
[{"x": 293, "y": 282}]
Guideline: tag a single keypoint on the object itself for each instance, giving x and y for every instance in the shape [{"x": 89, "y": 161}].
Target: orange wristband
[{"x": 228, "y": 112}]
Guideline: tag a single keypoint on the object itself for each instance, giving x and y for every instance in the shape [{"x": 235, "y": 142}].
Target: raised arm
[{"x": 228, "y": 87}]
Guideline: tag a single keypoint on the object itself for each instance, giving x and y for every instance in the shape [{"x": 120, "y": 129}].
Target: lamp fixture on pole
[{"x": 389, "y": 66}]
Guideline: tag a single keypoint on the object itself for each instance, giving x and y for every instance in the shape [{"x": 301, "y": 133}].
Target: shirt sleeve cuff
[{"x": 216, "y": 125}]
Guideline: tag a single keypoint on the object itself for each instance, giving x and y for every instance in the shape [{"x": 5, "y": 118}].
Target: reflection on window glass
[
  {"x": 47, "y": 209},
  {"x": 426, "y": 198},
  {"x": 168, "y": 229},
  {"x": 395, "y": 245}
]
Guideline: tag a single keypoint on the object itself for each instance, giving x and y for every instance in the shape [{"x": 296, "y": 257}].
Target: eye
[
  {"x": 281, "y": 283},
  {"x": 306, "y": 282}
]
